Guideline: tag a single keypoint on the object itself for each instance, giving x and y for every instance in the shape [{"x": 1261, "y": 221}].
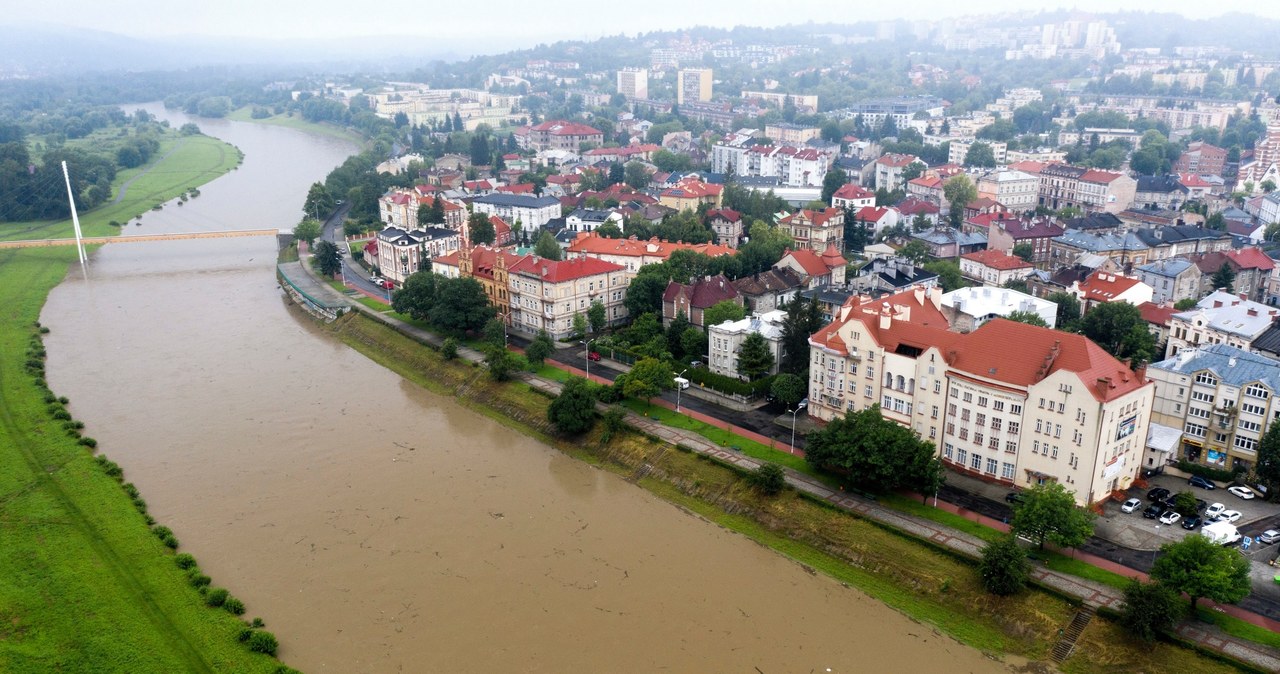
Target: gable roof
[
  {"x": 591, "y": 243},
  {"x": 769, "y": 281},
  {"x": 1156, "y": 314},
  {"x": 559, "y": 271},
  {"x": 702, "y": 293},
  {"x": 914, "y": 318},
  {"x": 997, "y": 259},
  {"x": 1104, "y": 286},
  {"x": 852, "y": 191}
]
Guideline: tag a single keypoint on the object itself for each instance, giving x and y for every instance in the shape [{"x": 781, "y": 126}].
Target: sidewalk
[{"x": 1089, "y": 592}]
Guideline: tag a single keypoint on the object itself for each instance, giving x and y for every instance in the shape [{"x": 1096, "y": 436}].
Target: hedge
[
  {"x": 1209, "y": 473},
  {"x": 729, "y": 385}
]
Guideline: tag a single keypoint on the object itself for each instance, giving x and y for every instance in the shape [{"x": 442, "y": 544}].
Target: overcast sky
[{"x": 525, "y": 22}]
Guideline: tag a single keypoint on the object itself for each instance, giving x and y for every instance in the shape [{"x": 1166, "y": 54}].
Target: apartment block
[{"x": 693, "y": 85}]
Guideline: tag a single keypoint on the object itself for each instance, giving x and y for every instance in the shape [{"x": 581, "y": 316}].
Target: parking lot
[{"x": 1132, "y": 530}]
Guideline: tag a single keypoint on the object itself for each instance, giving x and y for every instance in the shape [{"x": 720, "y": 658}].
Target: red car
[
  {"x": 594, "y": 356},
  {"x": 386, "y": 284}
]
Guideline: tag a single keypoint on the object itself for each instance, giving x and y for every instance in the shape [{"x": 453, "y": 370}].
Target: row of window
[{"x": 976, "y": 462}]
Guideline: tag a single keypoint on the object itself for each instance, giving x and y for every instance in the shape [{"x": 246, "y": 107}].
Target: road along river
[{"x": 378, "y": 527}]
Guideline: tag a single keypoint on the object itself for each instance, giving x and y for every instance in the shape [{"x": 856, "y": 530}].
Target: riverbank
[
  {"x": 245, "y": 114},
  {"x": 919, "y": 580},
  {"x": 88, "y": 586},
  {"x": 183, "y": 162}
]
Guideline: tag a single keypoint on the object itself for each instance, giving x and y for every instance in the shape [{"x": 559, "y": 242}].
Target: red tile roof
[
  {"x": 702, "y": 293},
  {"x": 852, "y": 191},
  {"x": 912, "y": 205},
  {"x": 724, "y": 213},
  {"x": 896, "y": 160},
  {"x": 997, "y": 260},
  {"x": 559, "y": 271},
  {"x": 871, "y": 213},
  {"x": 591, "y": 243},
  {"x": 1097, "y": 176},
  {"x": 1103, "y": 286},
  {"x": 1029, "y": 166},
  {"x": 1155, "y": 314},
  {"x": 561, "y": 127},
  {"x": 818, "y": 218},
  {"x": 916, "y": 320},
  {"x": 927, "y": 182},
  {"x": 519, "y": 188},
  {"x": 693, "y": 189}
]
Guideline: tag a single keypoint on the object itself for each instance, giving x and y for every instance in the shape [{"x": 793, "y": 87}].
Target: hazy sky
[{"x": 523, "y": 22}]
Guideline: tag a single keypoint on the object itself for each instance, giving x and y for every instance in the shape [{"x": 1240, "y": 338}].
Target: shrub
[
  {"x": 44, "y": 330},
  {"x": 87, "y": 441},
  {"x": 50, "y": 398},
  {"x": 160, "y": 531},
  {"x": 169, "y": 542},
  {"x": 149, "y": 520},
  {"x": 614, "y": 421},
  {"x": 132, "y": 491},
  {"x": 449, "y": 349},
  {"x": 259, "y": 622},
  {"x": 1004, "y": 566},
  {"x": 184, "y": 561},
  {"x": 64, "y": 400},
  {"x": 262, "y": 641},
  {"x": 244, "y": 634},
  {"x": 216, "y": 596},
  {"x": 140, "y": 504},
  {"x": 61, "y": 414},
  {"x": 233, "y": 606},
  {"x": 110, "y": 467},
  {"x": 1209, "y": 473},
  {"x": 1149, "y": 609},
  {"x": 199, "y": 580},
  {"x": 769, "y": 478}
]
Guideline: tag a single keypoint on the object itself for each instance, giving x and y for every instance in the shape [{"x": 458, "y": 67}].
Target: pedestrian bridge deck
[
  {"x": 307, "y": 289},
  {"x": 139, "y": 238}
]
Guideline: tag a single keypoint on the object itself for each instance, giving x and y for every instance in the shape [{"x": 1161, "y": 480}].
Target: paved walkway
[{"x": 1087, "y": 591}]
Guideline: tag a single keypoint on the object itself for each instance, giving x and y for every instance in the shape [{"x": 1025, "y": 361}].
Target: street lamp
[
  {"x": 801, "y": 405},
  {"x": 587, "y": 344},
  {"x": 678, "y": 387}
]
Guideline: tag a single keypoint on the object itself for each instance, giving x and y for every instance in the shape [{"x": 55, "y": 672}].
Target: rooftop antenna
[{"x": 75, "y": 217}]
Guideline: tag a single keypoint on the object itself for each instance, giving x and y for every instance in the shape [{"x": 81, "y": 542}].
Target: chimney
[
  {"x": 1231, "y": 362},
  {"x": 1217, "y": 304},
  {"x": 886, "y": 320},
  {"x": 1252, "y": 312},
  {"x": 1243, "y": 296}
]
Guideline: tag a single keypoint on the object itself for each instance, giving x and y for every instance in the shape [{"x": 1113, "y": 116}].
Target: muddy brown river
[{"x": 378, "y": 527}]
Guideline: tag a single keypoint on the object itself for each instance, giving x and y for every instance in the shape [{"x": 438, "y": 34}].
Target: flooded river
[{"x": 381, "y": 528}]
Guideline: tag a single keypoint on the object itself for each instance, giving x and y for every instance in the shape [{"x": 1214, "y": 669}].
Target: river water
[{"x": 378, "y": 527}]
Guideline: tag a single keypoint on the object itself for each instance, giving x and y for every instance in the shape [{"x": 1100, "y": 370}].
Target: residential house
[
  {"x": 402, "y": 252},
  {"x": 587, "y": 220},
  {"x": 559, "y": 135},
  {"x": 927, "y": 187},
  {"x": 530, "y": 212},
  {"x": 1220, "y": 318},
  {"x": 1158, "y": 317},
  {"x": 992, "y": 267},
  {"x": 1160, "y": 192},
  {"x": 853, "y": 197},
  {"x": 891, "y": 275},
  {"x": 633, "y": 253},
  {"x": 692, "y": 299},
  {"x": 877, "y": 219},
  {"x": 890, "y": 168},
  {"x": 489, "y": 266},
  {"x": 727, "y": 225},
  {"x": 691, "y": 193},
  {"x": 1103, "y": 287},
  {"x": 1201, "y": 158},
  {"x": 1096, "y": 223},
  {"x": 1220, "y": 399},
  {"x": 913, "y": 207},
  {"x": 765, "y": 291},
  {"x": 945, "y": 243},
  {"x": 1251, "y": 267},
  {"x": 399, "y": 208},
  {"x": 968, "y": 308},
  {"x": 1066, "y": 186},
  {"x": 1005, "y": 234},
  {"x": 724, "y": 341},
  {"x": 1016, "y": 190},
  {"x": 547, "y": 294},
  {"x": 1171, "y": 279},
  {"x": 816, "y": 269},
  {"x": 815, "y": 230}
]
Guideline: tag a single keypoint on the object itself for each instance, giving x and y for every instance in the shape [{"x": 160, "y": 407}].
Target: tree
[
  {"x": 1068, "y": 310},
  {"x": 495, "y": 333},
  {"x": 1028, "y": 317},
  {"x": 769, "y": 478},
  {"x": 675, "y": 334},
  {"x": 788, "y": 389},
  {"x": 319, "y": 201},
  {"x": 1149, "y": 609},
  {"x": 1119, "y": 329},
  {"x": 915, "y": 251},
  {"x": 609, "y": 230},
  {"x": 803, "y": 319},
  {"x": 1200, "y": 568},
  {"x": 1268, "y": 186},
  {"x": 948, "y": 272},
  {"x": 308, "y": 230},
  {"x": 579, "y": 325},
  {"x": 480, "y": 229},
  {"x": 432, "y": 213},
  {"x": 449, "y": 349},
  {"x": 500, "y": 361},
  {"x": 647, "y": 378},
  {"x": 724, "y": 310},
  {"x": 1049, "y": 513},
  {"x": 539, "y": 349},
  {"x": 754, "y": 357},
  {"x": 1216, "y": 222},
  {"x": 547, "y": 247},
  {"x": 573, "y": 412},
  {"x": 959, "y": 192},
  {"x": 1184, "y": 503},
  {"x": 1025, "y": 250},
  {"x": 834, "y": 180},
  {"x": 980, "y": 154},
  {"x": 416, "y": 296},
  {"x": 460, "y": 305},
  {"x": 1224, "y": 278},
  {"x": 1268, "y": 467},
  {"x": 596, "y": 317},
  {"x": 635, "y": 175},
  {"x": 328, "y": 259},
  {"x": 874, "y": 453},
  {"x": 644, "y": 294},
  {"x": 1003, "y": 567},
  {"x": 1185, "y": 304}
]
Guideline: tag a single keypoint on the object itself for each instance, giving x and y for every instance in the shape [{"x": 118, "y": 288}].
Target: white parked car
[
  {"x": 1243, "y": 492},
  {"x": 1269, "y": 536},
  {"x": 1170, "y": 517},
  {"x": 1131, "y": 505},
  {"x": 1213, "y": 511},
  {"x": 1229, "y": 516}
]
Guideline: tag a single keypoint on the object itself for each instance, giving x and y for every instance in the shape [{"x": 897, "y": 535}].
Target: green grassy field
[
  {"x": 245, "y": 114},
  {"x": 86, "y": 586},
  {"x": 182, "y": 162}
]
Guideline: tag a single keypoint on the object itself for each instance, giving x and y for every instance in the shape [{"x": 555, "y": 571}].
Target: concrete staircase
[{"x": 1062, "y": 650}]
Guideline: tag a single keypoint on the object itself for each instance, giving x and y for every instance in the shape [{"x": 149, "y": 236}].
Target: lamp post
[
  {"x": 587, "y": 344},
  {"x": 678, "y": 387},
  {"x": 801, "y": 405}
]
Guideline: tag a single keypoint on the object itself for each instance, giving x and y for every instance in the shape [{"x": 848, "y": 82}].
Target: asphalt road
[{"x": 352, "y": 272}]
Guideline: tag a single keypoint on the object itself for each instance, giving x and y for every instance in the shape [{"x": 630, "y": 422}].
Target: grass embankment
[
  {"x": 245, "y": 114},
  {"x": 183, "y": 162},
  {"x": 921, "y": 581},
  {"x": 87, "y": 586}
]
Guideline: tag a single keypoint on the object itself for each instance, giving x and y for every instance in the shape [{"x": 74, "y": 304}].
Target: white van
[
  {"x": 681, "y": 383},
  {"x": 1222, "y": 533}
]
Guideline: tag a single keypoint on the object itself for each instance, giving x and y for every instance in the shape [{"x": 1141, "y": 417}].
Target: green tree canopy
[
  {"x": 1200, "y": 568},
  {"x": 328, "y": 259},
  {"x": 1119, "y": 329},
  {"x": 1003, "y": 567},
  {"x": 1028, "y": 317},
  {"x": 416, "y": 296},
  {"x": 804, "y": 317},
  {"x": 980, "y": 154},
  {"x": 596, "y": 317},
  {"x": 1049, "y": 513},
  {"x": 319, "y": 202},
  {"x": 1150, "y": 609},
  {"x": 546, "y": 247},
  {"x": 644, "y": 294},
  {"x": 480, "y": 229},
  {"x": 460, "y": 305},
  {"x": 1068, "y": 310},
  {"x": 724, "y": 310},
  {"x": 1025, "y": 250},
  {"x": 573, "y": 412},
  {"x": 834, "y": 180},
  {"x": 874, "y": 453},
  {"x": 609, "y": 230},
  {"x": 948, "y": 272},
  {"x": 788, "y": 389},
  {"x": 308, "y": 230},
  {"x": 915, "y": 250},
  {"x": 1224, "y": 278},
  {"x": 647, "y": 378},
  {"x": 636, "y": 175},
  {"x": 1268, "y": 467},
  {"x": 959, "y": 192},
  {"x": 540, "y": 349},
  {"x": 754, "y": 358}
]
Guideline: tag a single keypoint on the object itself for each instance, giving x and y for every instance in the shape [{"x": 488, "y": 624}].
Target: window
[
  {"x": 1206, "y": 378},
  {"x": 1252, "y": 409},
  {"x": 935, "y": 412},
  {"x": 1015, "y": 409},
  {"x": 996, "y": 423},
  {"x": 951, "y": 410},
  {"x": 1006, "y": 471},
  {"x": 1255, "y": 391},
  {"x": 982, "y": 401},
  {"x": 1194, "y": 429},
  {"x": 887, "y": 403},
  {"x": 1054, "y": 454},
  {"x": 955, "y": 393},
  {"x": 982, "y": 419},
  {"x": 1039, "y": 426},
  {"x": 964, "y": 415},
  {"x": 992, "y": 466},
  {"x": 977, "y": 438},
  {"x": 964, "y": 434},
  {"x": 1057, "y": 430},
  {"x": 994, "y": 443},
  {"x": 1202, "y": 396},
  {"x": 948, "y": 451},
  {"x": 1061, "y": 407},
  {"x": 937, "y": 387},
  {"x": 1042, "y": 403},
  {"x": 871, "y": 372},
  {"x": 1247, "y": 444},
  {"x": 998, "y": 405},
  {"x": 1197, "y": 412},
  {"x": 1010, "y": 446},
  {"x": 1014, "y": 427},
  {"x": 1035, "y": 448},
  {"x": 951, "y": 428},
  {"x": 1249, "y": 426},
  {"x": 869, "y": 391},
  {"x": 968, "y": 397},
  {"x": 976, "y": 463},
  {"x": 933, "y": 432},
  {"x": 961, "y": 456}
]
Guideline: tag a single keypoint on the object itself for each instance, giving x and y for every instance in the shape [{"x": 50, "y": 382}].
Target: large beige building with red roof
[
  {"x": 1010, "y": 403},
  {"x": 814, "y": 229},
  {"x": 559, "y": 135},
  {"x": 546, "y": 294}
]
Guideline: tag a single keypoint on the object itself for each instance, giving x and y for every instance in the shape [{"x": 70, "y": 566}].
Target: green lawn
[
  {"x": 245, "y": 114},
  {"x": 372, "y": 303},
  {"x": 87, "y": 586},
  {"x": 1239, "y": 628},
  {"x": 183, "y": 162}
]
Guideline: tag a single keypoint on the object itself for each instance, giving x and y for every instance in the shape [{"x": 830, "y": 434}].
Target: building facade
[
  {"x": 1220, "y": 318},
  {"x": 724, "y": 341},
  {"x": 547, "y": 294},
  {"x": 693, "y": 85},
  {"x": 528, "y": 211},
  {"x": 402, "y": 252},
  {"x": 633, "y": 83},
  {"x": 814, "y": 230}
]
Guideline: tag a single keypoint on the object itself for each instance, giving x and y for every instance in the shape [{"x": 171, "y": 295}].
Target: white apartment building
[
  {"x": 1015, "y": 190},
  {"x": 402, "y": 252},
  {"x": 967, "y": 309},
  {"x": 530, "y": 211},
  {"x": 959, "y": 149},
  {"x": 634, "y": 83},
  {"x": 547, "y": 294},
  {"x": 724, "y": 341},
  {"x": 1220, "y": 318}
]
